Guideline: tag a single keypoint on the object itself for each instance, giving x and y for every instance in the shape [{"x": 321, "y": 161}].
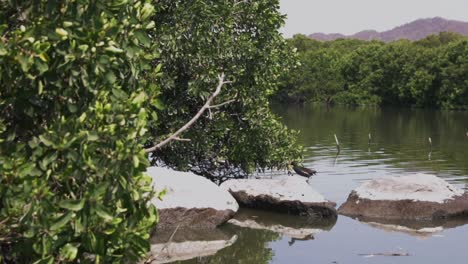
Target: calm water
[{"x": 399, "y": 145}]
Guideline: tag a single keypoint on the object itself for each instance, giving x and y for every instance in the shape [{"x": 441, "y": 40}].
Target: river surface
[{"x": 399, "y": 144}]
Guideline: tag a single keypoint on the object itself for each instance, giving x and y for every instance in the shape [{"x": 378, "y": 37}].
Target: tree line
[{"x": 427, "y": 73}]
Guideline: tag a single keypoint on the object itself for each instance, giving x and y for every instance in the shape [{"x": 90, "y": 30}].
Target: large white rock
[
  {"x": 418, "y": 196},
  {"x": 418, "y": 187},
  {"x": 287, "y": 195},
  {"x": 190, "y": 200}
]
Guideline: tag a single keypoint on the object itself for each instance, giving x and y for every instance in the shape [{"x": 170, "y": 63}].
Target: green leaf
[
  {"x": 41, "y": 66},
  {"x": 100, "y": 190},
  {"x": 113, "y": 49},
  {"x": 136, "y": 161},
  {"x": 41, "y": 87},
  {"x": 62, "y": 221},
  {"x": 158, "y": 68},
  {"x": 110, "y": 77},
  {"x": 119, "y": 93},
  {"x": 78, "y": 226},
  {"x": 61, "y": 32},
  {"x": 47, "y": 160},
  {"x": 73, "y": 205},
  {"x": 25, "y": 62},
  {"x": 140, "y": 98},
  {"x": 3, "y": 27},
  {"x": 45, "y": 140},
  {"x": 143, "y": 38},
  {"x": 29, "y": 169},
  {"x": 47, "y": 260},
  {"x": 161, "y": 194},
  {"x": 158, "y": 104},
  {"x": 72, "y": 108},
  {"x": 44, "y": 57},
  {"x": 102, "y": 212},
  {"x": 3, "y": 50},
  {"x": 93, "y": 136},
  {"x": 41, "y": 47},
  {"x": 69, "y": 251}
]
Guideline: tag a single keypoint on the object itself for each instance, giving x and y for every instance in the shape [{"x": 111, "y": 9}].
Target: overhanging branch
[{"x": 206, "y": 106}]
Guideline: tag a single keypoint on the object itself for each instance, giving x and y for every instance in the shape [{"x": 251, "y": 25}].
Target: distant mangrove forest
[{"x": 430, "y": 73}]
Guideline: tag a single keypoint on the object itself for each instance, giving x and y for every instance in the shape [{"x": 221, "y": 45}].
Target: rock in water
[
  {"x": 290, "y": 195},
  {"x": 418, "y": 197},
  {"x": 190, "y": 200}
]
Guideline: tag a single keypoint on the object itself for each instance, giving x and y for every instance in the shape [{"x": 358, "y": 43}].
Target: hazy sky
[{"x": 351, "y": 16}]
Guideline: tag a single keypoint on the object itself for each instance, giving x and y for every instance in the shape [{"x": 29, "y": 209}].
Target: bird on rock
[{"x": 303, "y": 171}]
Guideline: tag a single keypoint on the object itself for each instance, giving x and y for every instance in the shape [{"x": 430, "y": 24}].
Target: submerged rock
[
  {"x": 295, "y": 227},
  {"x": 190, "y": 200},
  {"x": 290, "y": 195},
  {"x": 184, "y": 244},
  {"x": 419, "y": 196}
]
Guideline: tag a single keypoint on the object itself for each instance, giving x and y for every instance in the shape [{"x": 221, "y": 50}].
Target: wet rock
[
  {"x": 291, "y": 195},
  {"x": 190, "y": 200},
  {"x": 295, "y": 227},
  {"x": 187, "y": 243},
  {"x": 418, "y": 197}
]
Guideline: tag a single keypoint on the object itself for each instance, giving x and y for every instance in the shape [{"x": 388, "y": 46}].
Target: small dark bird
[{"x": 305, "y": 172}]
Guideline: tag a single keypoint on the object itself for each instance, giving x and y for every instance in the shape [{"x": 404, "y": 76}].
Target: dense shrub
[
  {"x": 82, "y": 82},
  {"x": 74, "y": 110}
]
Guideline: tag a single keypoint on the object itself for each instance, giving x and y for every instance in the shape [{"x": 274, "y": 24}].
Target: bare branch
[
  {"x": 194, "y": 119},
  {"x": 210, "y": 115},
  {"x": 219, "y": 105},
  {"x": 182, "y": 139}
]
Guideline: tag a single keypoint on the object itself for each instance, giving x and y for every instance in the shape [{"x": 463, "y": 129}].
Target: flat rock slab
[
  {"x": 190, "y": 200},
  {"x": 291, "y": 195},
  {"x": 417, "y": 197}
]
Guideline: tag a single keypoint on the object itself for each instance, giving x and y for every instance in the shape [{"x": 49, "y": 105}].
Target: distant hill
[{"x": 415, "y": 30}]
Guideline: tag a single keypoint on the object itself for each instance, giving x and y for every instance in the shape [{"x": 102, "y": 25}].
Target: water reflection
[
  {"x": 419, "y": 229},
  {"x": 398, "y": 145},
  {"x": 399, "y": 137},
  {"x": 251, "y": 247},
  {"x": 295, "y": 227},
  {"x": 171, "y": 245},
  {"x": 255, "y": 229}
]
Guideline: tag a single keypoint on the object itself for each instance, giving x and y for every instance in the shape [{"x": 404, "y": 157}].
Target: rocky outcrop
[
  {"x": 291, "y": 195},
  {"x": 168, "y": 246},
  {"x": 416, "y": 197},
  {"x": 190, "y": 200}
]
